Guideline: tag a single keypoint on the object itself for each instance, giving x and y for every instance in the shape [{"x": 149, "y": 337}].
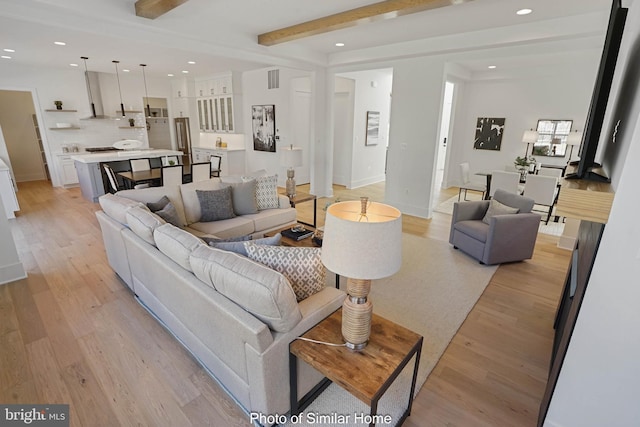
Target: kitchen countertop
[
  {"x": 219, "y": 148},
  {"x": 114, "y": 156}
]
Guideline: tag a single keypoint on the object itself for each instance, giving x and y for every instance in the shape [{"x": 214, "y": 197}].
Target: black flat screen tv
[{"x": 587, "y": 168}]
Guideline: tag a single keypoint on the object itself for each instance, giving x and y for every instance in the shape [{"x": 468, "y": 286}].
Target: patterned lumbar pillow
[
  {"x": 267, "y": 192},
  {"x": 301, "y": 266},
  {"x": 497, "y": 208},
  {"x": 215, "y": 205}
]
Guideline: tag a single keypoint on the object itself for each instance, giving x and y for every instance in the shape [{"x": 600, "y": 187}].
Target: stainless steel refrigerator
[{"x": 183, "y": 138}]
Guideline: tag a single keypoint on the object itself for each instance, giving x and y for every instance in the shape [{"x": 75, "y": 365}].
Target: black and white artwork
[
  {"x": 264, "y": 127},
  {"x": 489, "y": 131},
  {"x": 373, "y": 128}
]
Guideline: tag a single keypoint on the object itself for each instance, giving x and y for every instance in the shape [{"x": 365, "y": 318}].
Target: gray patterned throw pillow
[
  {"x": 215, "y": 205},
  {"x": 301, "y": 266},
  {"x": 267, "y": 192}
]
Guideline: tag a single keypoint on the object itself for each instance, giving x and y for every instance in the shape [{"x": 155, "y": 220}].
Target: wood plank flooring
[{"x": 71, "y": 332}]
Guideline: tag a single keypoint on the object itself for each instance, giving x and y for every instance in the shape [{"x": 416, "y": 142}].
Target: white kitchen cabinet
[
  {"x": 69, "y": 173},
  {"x": 8, "y": 191},
  {"x": 219, "y": 103},
  {"x": 232, "y": 163}
]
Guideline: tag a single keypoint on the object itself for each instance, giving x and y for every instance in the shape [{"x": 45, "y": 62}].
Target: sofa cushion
[
  {"x": 474, "y": 228},
  {"x": 267, "y": 192},
  {"x": 240, "y": 248},
  {"x": 302, "y": 266},
  {"x": 215, "y": 205},
  {"x": 233, "y": 227},
  {"x": 497, "y": 208},
  {"x": 261, "y": 291},
  {"x": 143, "y": 223},
  {"x": 117, "y": 207},
  {"x": 244, "y": 197},
  {"x": 153, "y": 194},
  {"x": 269, "y": 219},
  {"x": 177, "y": 244},
  {"x": 190, "y": 198}
]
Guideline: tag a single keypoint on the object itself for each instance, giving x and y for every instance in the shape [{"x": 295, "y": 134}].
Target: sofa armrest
[{"x": 283, "y": 202}]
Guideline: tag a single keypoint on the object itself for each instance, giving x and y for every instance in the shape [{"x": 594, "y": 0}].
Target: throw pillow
[
  {"x": 209, "y": 240},
  {"x": 215, "y": 205},
  {"x": 156, "y": 206},
  {"x": 169, "y": 214},
  {"x": 497, "y": 208},
  {"x": 240, "y": 247},
  {"x": 301, "y": 266},
  {"x": 267, "y": 192},
  {"x": 244, "y": 197}
]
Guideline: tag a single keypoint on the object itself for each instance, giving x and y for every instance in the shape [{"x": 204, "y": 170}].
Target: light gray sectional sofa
[{"x": 236, "y": 316}]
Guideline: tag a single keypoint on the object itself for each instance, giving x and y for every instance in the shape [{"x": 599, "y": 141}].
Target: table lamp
[
  {"x": 362, "y": 241},
  {"x": 291, "y": 157},
  {"x": 573, "y": 139},
  {"x": 530, "y": 137}
]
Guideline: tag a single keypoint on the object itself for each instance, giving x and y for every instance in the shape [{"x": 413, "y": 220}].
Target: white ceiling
[{"x": 221, "y": 35}]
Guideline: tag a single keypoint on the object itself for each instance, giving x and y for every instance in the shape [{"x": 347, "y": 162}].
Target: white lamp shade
[
  {"x": 291, "y": 156},
  {"x": 574, "y": 138},
  {"x": 362, "y": 247},
  {"x": 530, "y": 136}
]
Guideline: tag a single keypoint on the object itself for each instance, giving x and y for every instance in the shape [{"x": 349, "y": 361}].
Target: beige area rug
[
  {"x": 553, "y": 228},
  {"x": 432, "y": 294}
]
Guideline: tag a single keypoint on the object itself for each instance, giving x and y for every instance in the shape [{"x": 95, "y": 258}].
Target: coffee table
[{"x": 366, "y": 374}]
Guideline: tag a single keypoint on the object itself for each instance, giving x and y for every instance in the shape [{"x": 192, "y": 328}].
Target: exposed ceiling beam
[
  {"x": 387, "y": 9},
  {"x": 153, "y": 8}
]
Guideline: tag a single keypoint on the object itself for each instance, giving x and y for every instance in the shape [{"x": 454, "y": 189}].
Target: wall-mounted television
[{"x": 587, "y": 168}]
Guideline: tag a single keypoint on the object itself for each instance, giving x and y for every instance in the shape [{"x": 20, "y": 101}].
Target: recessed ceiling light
[
  {"x": 339, "y": 44},
  {"x": 169, "y": 75},
  {"x": 60, "y": 43},
  {"x": 73, "y": 65},
  {"x": 5, "y": 57},
  {"x": 191, "y": 62},
  {"x": 491, "y": 67},
  {"x": 524, "y": 12},
  {"x": 9, "y": 50},
  {"x": 185, "y": 72},
  {"x": 125, "y": 70}
]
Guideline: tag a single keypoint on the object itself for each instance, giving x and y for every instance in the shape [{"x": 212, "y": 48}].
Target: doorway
[
  {"x": 445, "y": 130},
  {"x": 23, "y": 146},
  {"x": 301, "y": 126},
  {"x": 158, "y": 126}
]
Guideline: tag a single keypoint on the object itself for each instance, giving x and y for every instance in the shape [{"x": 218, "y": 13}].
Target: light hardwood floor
[{"x": 72, "y": 333}]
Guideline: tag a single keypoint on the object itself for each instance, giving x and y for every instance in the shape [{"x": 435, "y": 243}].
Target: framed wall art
[
  {"x": 263, "y": 119},
  {"x": 373, "y": 128},
  {"x": 489, "y": 131}
]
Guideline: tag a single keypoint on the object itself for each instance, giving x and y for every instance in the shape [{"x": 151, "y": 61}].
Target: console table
[{"x": 366, "y": 374}]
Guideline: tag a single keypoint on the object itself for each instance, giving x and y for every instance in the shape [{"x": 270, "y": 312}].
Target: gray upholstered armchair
[{"x": 504, "y": 237}]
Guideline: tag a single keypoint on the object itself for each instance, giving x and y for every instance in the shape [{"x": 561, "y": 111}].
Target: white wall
[
  {"x": 600, "y": 378},
  {"x": 372, "y": 93},
  {"x": 255, "y": 92}
]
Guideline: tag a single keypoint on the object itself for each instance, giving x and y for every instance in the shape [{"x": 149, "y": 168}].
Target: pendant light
[
  {"x": 86, "y": 78},
  {"x": 119, "y": 90},
  {"x": 145, "y": 90}
]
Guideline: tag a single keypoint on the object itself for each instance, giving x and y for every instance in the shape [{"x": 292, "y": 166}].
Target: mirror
[{"x": 552, "y": 138}]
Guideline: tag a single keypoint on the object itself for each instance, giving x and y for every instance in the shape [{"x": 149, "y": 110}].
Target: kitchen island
[{"x": 90, "y": 174}]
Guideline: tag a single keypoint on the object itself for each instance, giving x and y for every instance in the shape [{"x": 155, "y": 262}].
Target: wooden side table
[
  {"x": 366, "y": 374},
  {"x": 301, "y": 197}
]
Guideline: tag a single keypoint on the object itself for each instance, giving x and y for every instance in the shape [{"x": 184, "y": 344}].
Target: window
[{"x": 552, "y": 138}]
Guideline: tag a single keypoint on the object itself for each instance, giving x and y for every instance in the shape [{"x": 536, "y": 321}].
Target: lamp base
[
  {"x": 356, "y": 314},
  {"x": 291, "y": 183}
]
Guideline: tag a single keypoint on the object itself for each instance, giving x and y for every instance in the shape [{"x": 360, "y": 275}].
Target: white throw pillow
[{"x": 301, "y": 266}]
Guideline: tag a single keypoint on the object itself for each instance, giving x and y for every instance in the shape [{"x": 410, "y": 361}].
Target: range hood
[{"x": 92, "y": 80}]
